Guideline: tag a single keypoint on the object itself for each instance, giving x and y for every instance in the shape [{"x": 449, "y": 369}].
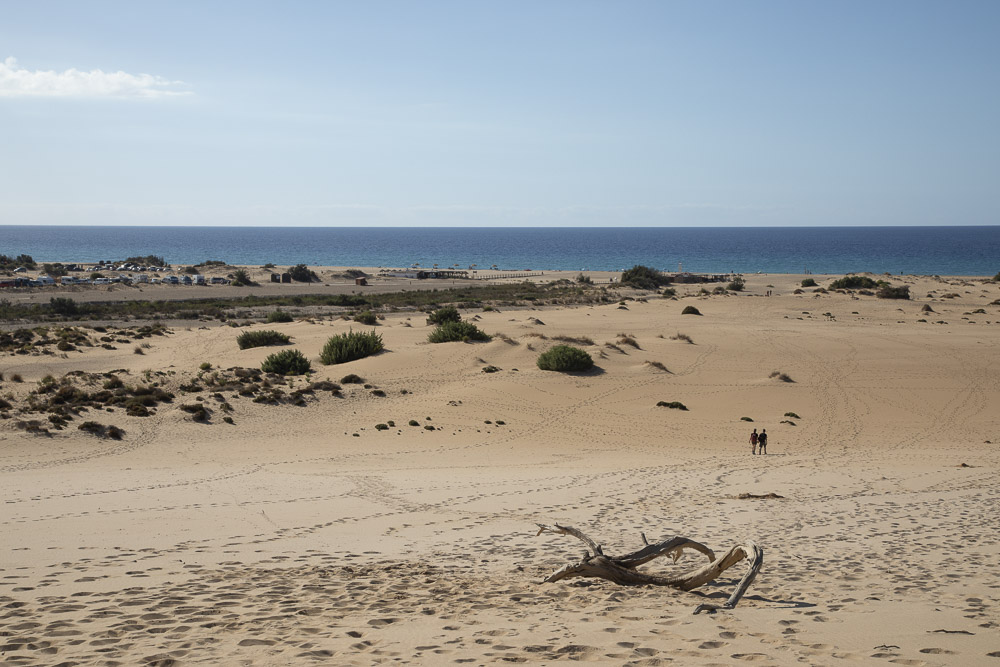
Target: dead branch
[{"x": 622, "y": 569}]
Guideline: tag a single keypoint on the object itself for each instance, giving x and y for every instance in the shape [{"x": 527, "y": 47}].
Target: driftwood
[{"x": 622, "y": 569}]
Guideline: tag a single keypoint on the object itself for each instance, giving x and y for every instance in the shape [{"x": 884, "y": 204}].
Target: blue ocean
[{"x": 967, "y": 251}]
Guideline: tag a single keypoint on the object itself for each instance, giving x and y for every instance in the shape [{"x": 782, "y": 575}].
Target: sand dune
[{"x": 302, "y": 534}]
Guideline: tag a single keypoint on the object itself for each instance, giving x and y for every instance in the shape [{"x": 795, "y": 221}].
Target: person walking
[
  {"x": 753, "y": 442},
  {"x": 762, "y": 441}
]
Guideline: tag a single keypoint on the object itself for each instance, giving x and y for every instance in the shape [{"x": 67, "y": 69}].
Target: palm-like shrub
[
  {"x": 249, "y": 339},
  {"x": 448, "y": 332},
  {"x": 286, "y": 362},
  {"x": 352, "y": 345},
  {"x": 442, "y": 315},
  {"x": 565, "y": 358},
  {"x": 242, "y": 279}
]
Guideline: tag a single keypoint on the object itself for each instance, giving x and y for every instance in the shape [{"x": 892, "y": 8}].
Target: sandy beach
[{"x": 302, "y": 534}]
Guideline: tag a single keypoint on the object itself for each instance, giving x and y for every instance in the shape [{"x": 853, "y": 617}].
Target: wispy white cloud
[{"x": 15, "y": 81}]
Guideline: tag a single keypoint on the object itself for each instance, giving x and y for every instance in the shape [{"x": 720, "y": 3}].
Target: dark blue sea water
[{"x": 968, "y": 251}]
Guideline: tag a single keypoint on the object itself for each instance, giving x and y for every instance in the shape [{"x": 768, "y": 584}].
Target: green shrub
[
  {"x": 809, "y": 282},
  {"x": 669, "y": 292},
  {"x": 448, "y": 332},
  {"x": 249, "y": 339},
  {"x": 676, "y": 405},
  {"x": 279, "y": 316},
  {"x": 565, "y": 358},
  {"x": 853, "y": 282},
  {"x": 196, "y": 410},
  {"x": 352, "y": 378},
  {"x": 890, "y": 292},
  {"x": 303, "y": 274},
  {"x": 584, "y": 280},
  {"x": 366, "y": 317},
  {"x": 644, "y": 277},
  {"x": 792, "y": 415},
  {"x": 996, "y": 278},
  {"x": 690, "y": 310},
  {"x": 736, "y": 286},
  {"x": 746, "y": 419},
  {"x": 286, "y": 362},
  {"x": 413, "y": 422},
  {"x": 442, "y": 315},
  {"x": 381, "y": 427},
  {"x": 147, "y": 260},
  {"x": 61, "y": 305},
  {"x": 352, "y": 345},
  {"x": 784, "y": 377}
]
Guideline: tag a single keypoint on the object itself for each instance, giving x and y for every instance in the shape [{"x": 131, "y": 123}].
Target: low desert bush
[
  {"x": 576, "y": 340},
  {"x": 746, "y": 419},
  {"x": 442, "y": 315},
  {"x": 249, "y": 339},
  {"x": 669, "y": 292},
  {"x": 853, "y": 282},
  {"x": 286, "y": 362},
  {"x": 584, "y": 279},
  {"x": 683, "y": 337},
  {"x": 890, "y": 292},
  {"x": 352, "y": 345},
  {"x": 279, "y": 316},
  {"x": 366, "y": 317},
  {"x": 781, "y": 376},
  {"x": 690, "y": 310},
  {"x": 626, "y": 339},
  {"x": 792, "y": 415},
  {"x": 197, "y": 411},
  {"x": 449, "y": 332},
  {"x": 644, "y": 277},
  {"x": 809, "y": 282},
  {"x": 565, "y": 358},
  {"x": 676, "y": 405},
  {"x": 102, "y": 431},
  {"x": 352, "y": 378},
  {"x": 736, "y": 286}
]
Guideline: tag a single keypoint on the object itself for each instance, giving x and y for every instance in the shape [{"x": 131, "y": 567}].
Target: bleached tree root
[{"x": 622, "y": 569}]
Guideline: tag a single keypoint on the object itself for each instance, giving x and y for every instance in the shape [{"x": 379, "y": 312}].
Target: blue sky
[{"x": 506, "y": 113}]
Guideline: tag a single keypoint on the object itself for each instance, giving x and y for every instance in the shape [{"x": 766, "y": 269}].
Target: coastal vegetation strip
[{"x": 62, "y": 308}]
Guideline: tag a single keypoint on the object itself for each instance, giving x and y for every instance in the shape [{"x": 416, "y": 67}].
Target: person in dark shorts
[
  {"x": 762, "y": 441},
  {"x": 753, "y": 442}
]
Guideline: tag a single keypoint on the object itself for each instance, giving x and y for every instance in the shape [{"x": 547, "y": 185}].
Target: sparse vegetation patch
[
  {"x": 565, "y": 358},
  {"x": 350, "y": 346}
]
